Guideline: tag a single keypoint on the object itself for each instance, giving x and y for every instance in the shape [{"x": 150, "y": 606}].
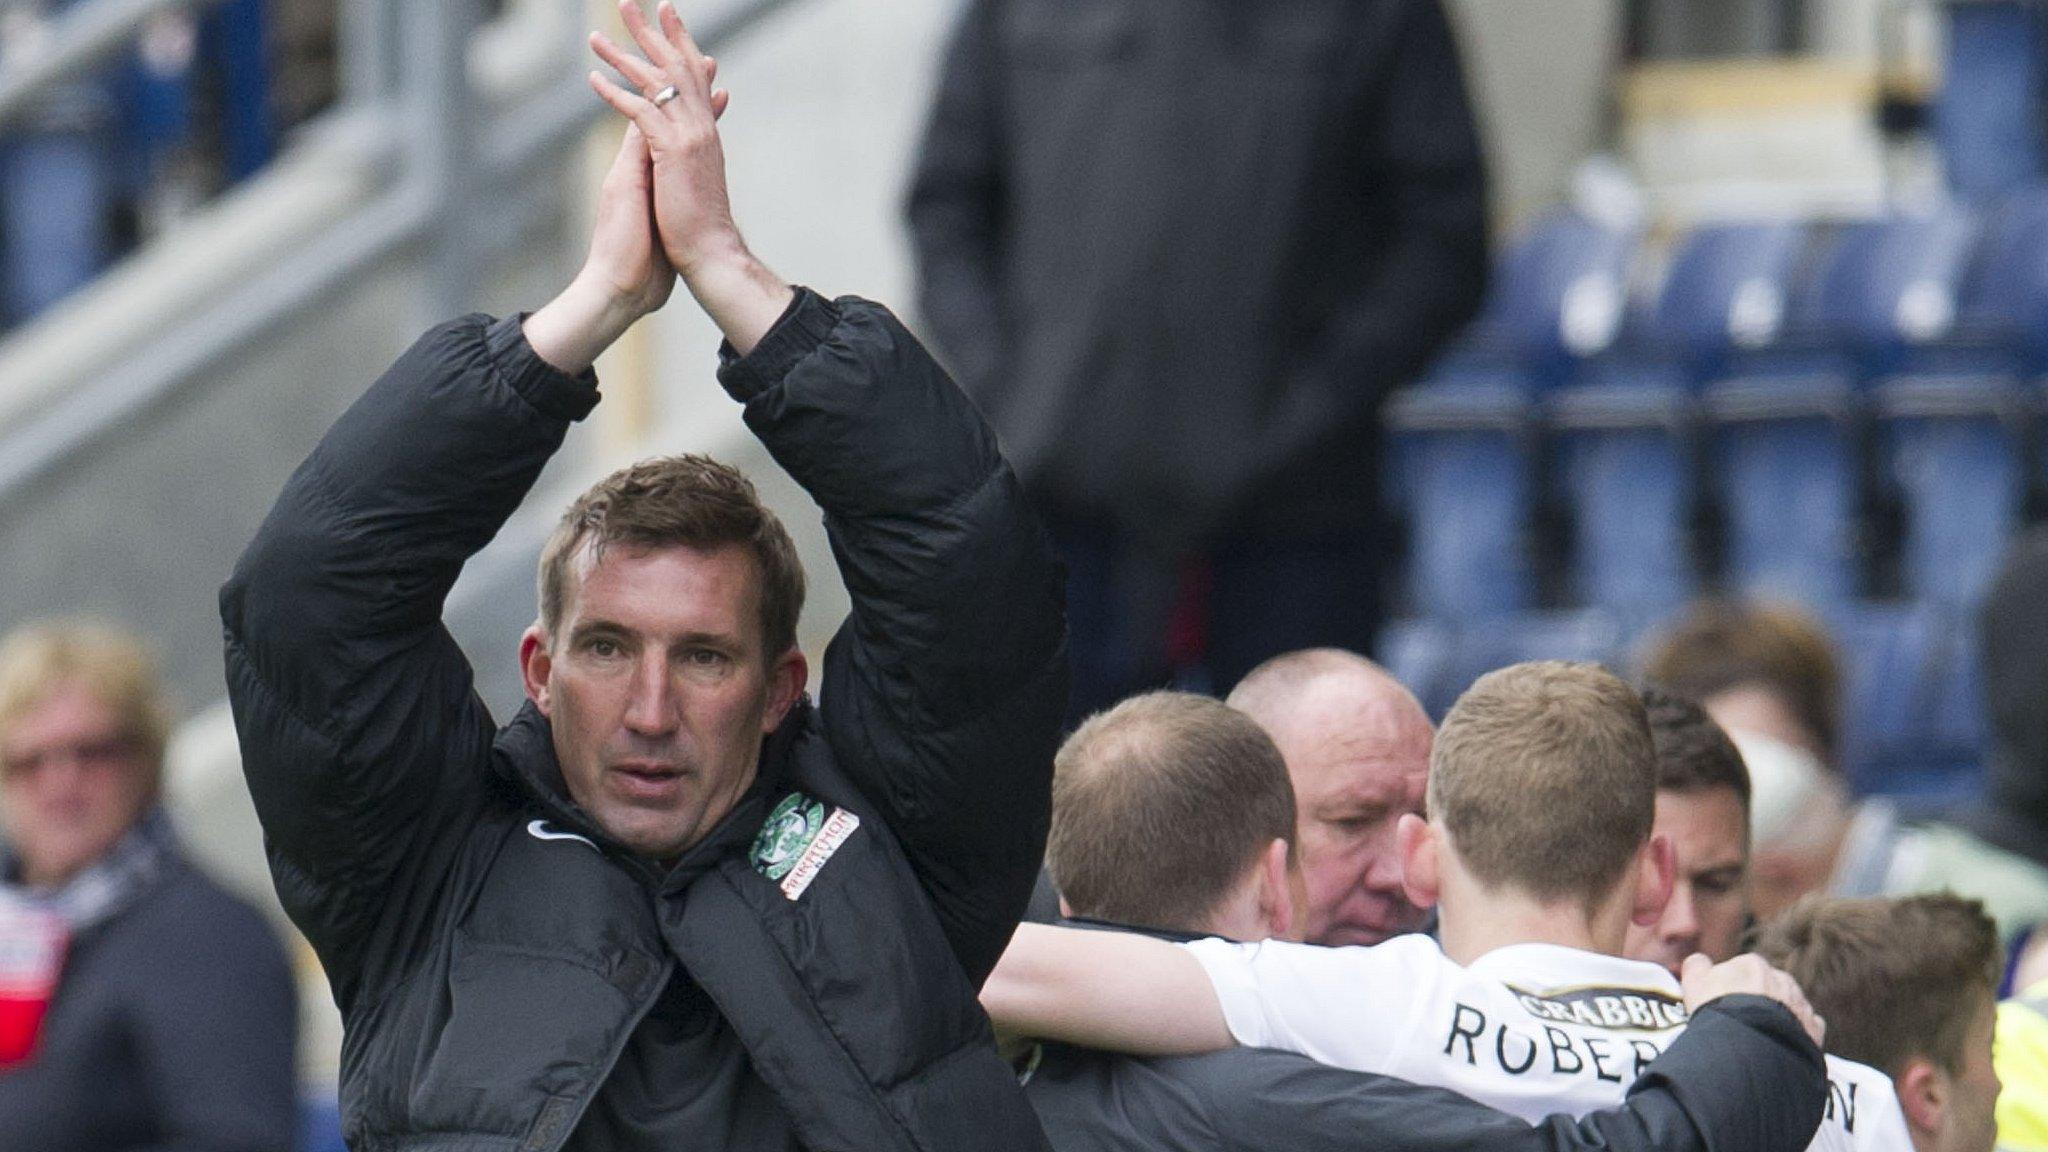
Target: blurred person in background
[
  {"x": 1180, "y": 253},
  {"x": 144, "y": 1007},
  {"x": 2013, "y": 634},
  {"x": 1703, "y": 809},
  {"x": 1172, "y": 816},
  {"x": 1356, "y": 743},
  {"x": 1908, "y": 986},
  {"x": 1757, "y": 668},
  {"x": 1769, "y": 675}
]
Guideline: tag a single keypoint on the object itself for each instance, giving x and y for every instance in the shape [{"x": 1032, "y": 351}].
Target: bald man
[{"x": 1357, "y": 747}]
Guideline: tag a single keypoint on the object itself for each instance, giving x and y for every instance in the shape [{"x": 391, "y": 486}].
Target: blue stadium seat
[
  {"x": 1884, "y": 287},
  {"x": 1988, "y": 114},
  {"x": 1417, "y": 652},
  {"x": 1912, "y": 720},
  {"x": 1579, "y": 634},
  {"x": 1625, "y": 465},
  {"x": 1726, "y": 290},
  {"x": 1785, "y": 470},
  {"x": 1951, "y": 451},
  {"x": 2002, "y": 311},
  {"x": 1461, "y": 478},
  {"x": 1557, "y": 297}
]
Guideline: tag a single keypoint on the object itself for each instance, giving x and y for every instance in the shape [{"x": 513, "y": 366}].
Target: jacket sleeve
[
  {"x": 1742, "y": 1077},
  {"x": 943, "y": 691},
  {"x": 955, "y": 205},
  {"x": 1422, "y": 176},
  {"x": 364, "y": 743}
]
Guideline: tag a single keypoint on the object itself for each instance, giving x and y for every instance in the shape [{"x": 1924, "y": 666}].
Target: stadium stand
[
  {"x": 1623, "y": 452},
  {"x": 1464, "y": 476},
  {"x": 1838, "y": 412},
  {"x": 1912, "y": 726}
]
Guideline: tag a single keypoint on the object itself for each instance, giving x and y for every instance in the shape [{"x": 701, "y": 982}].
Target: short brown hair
[
  {"x": 1721, "y": 645},
  {"x": 1694, "y": 754},
  {"x": 1544, "y": 774},
  {"x": 1895, "y": 978},
  {"x": 116, "y": 666},
  {"x": 678, "y": 501},
  {"x": 1158, "y": 807}
]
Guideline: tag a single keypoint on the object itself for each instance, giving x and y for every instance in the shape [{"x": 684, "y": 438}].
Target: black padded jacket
[{"x": 491, "y": 950}]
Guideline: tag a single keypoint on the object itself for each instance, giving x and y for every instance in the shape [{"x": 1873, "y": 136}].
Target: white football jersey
[{"x": 1531, "y": 1029}]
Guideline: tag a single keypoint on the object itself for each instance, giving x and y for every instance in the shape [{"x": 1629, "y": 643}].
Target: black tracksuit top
[{"x": 492, "y": 952}]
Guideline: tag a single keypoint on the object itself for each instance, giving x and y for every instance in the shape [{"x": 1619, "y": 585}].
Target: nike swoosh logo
[{"x": 539, "y": 830}]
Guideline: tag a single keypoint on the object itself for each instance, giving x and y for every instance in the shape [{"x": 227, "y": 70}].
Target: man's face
[
  {"x": 73, "y": 780},
  {"x": 1968, "y": 1124},
  {"x": 1709, "y": 906},
  {"x": 659, "y": 690},
  {"x": 1356, "y": 772}
]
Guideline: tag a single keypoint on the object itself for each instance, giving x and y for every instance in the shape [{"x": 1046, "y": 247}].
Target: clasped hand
[
  {"x": 671, "y": 166},
  {"x": 662, "y": 210}
]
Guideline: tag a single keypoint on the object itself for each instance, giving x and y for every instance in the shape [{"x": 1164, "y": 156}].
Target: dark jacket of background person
[
  {"x": 1743, "y": 1075},
  {"x": 173, "y": 1029},
  {"x": 490, "y": 966},
  {"x": 2013, "y": 628},
  {"x": 1181, "y": 250}
]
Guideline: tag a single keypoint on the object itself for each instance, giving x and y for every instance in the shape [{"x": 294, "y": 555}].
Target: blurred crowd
[{"x": 101, "y": 162}]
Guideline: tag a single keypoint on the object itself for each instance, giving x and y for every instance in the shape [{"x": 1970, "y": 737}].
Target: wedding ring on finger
[{"x": 665, "y": 95}]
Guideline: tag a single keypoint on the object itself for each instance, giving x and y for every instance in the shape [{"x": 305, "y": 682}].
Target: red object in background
[
  {"x": 31, "y": 961},
  {"x": 1187, "y": 625}
]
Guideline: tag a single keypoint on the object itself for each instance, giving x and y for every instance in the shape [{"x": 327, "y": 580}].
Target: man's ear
[
  {"x": 1415, "y": 840},
  {"x": 1276, "y": 891},
  {"x": 786, "y": 682},
  {"x": 536, "y": 666},
  {"x": 1656, "y": 872},
  {"x": 1923, "y": 1097}
]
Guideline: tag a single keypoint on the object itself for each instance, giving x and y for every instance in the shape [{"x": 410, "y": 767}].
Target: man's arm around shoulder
[{"x": 1744, "y": 1078}]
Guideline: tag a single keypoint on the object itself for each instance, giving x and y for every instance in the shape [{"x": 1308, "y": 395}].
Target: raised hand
[
  {"x": 625, "y": 253},
  {"x": 690, "y": 203},
  {"x": 676, "y": 109},
  {"x": 1704, "y": 980},
  {"x": 625, "y": 275}
]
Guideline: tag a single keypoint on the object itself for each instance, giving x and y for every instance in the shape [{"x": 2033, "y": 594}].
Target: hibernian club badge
[{"x": 796, "y": 840}]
